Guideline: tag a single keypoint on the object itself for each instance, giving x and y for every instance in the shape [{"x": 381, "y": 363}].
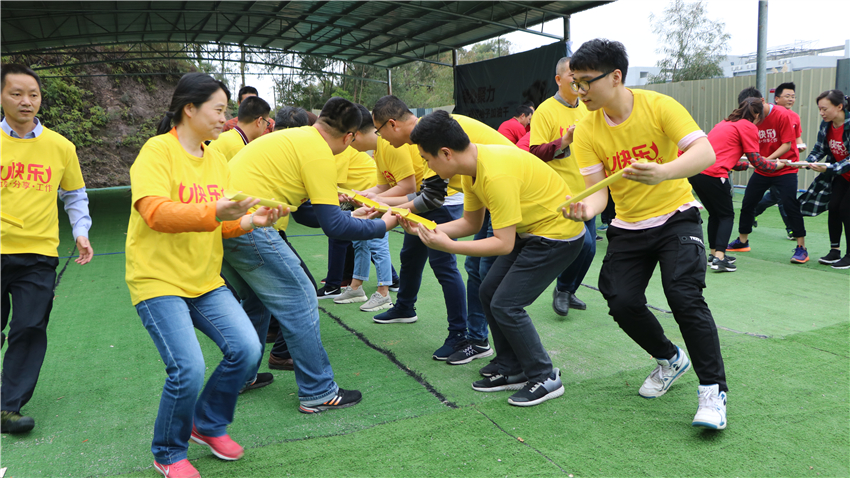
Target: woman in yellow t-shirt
[{"x": 174, "y": 254}]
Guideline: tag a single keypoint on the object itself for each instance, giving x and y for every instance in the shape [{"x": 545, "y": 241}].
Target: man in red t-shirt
[
  {"x": 515, "y": 128},
  {"x": 777, "y": 140}
]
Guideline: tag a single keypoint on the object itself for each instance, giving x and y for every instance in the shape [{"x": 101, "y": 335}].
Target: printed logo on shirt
[
  {"x": 390, "y": 178},
  {"x": 838, "y": 149},
  {"x": 197, "y": 193},
  {"x": 622, "y": 159},
  {"x": 26, "y": 176},
  {"x": 768, "y": 136}
]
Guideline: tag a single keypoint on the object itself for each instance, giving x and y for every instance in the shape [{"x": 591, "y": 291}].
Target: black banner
[{"x": 491, "y": 90}]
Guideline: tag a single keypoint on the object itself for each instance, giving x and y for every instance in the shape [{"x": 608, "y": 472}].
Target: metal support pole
[
  {"x": 454, "y": 75},
  {"x": 389, "y": 81},
  {"x": 761, "y": 55},
  {"x": 566, "y": 28},
  {"x": 242, "y": 64}
]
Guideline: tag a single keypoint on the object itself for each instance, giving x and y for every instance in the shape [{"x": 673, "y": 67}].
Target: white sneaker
[
  {"x": 712, "y": 408},
  {"x": 350, "y": 295},
  {"x": 667, "y": 372},
  {"x": 377, "y": 302}
]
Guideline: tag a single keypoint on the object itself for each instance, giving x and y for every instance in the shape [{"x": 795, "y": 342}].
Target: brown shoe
[{"x": 276, "y": 363}]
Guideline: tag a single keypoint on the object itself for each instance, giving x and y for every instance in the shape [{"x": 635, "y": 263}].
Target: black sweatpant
[
  {"x": 716, "y": 195},
  {"x": 787, "y": 187},
  {"x": 839, "y": 213},
  {"x": 27, "y": 286},
  {"x": 631, "y": 259}
]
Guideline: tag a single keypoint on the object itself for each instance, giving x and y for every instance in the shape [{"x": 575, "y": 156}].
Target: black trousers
[
  {"x": 513, "y": 283},
  {"x": 27, "y": 285},
  {"x": 631, "y": 259},
  {"x": 839, "y": 213},
  {"x": 787, "y": 187},
  {"x": 716, "y": 195}
]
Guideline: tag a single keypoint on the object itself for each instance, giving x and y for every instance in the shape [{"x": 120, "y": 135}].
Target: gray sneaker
[
  {"x": 350, "y": 295},
  {"x": 377, "y": 302}
]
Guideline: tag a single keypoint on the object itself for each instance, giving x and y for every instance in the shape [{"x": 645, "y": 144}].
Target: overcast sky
[{"x": 823, "y": 21}]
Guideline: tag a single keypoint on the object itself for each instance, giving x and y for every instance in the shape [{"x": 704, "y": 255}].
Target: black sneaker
[
  {"x": 730, "y": 259},
  {"x": 832, "y": 257},
  {"x": 473, "y": 350},
  {"x": 14, "y": 422},
  {"x": 394, "y": 286},
  {"x": 396, "y": 315},
  {"x": 490, "y": 369},
  {"x": 342, "y": 399},
  {"x": 454, "y": 342},
  {"x": 328, "y": 292},
  {"x": 844, "y": 263},
  {"x": 498, "y": 382},
  {"x": 534, "y": 393},
  {"x": 722, "y": 265},
  {"x": 261, "y": 381}
]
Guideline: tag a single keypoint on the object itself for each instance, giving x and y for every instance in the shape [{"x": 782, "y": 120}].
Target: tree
[{"x": 693, "y": 45}]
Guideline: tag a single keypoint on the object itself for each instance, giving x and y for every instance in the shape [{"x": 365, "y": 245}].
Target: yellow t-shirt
[
  {"x": 480, "y": 133},
  {"x": 360, "y": 170},
  {"x": 549, "y": 122},
  {"x": 395, "y": 164},
  {"x": 186, "y": 264},
  {"x": 228, "y": 144},
  {"x": 291, "y": 165},
  {"x": 652, "y": 131},
  {"x": 31, "y": 173},
  {"x": 520, "y": 190}
]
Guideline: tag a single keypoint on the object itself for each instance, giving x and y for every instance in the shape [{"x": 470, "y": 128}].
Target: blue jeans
[
  {"x": 571, "y": 278},
  {"x": 413, "y": 256},
  {"x": 476, "y": 271},
  {"x": 171, "y": 323},
  {"x": 377, "y": 251},
  {"x": 269, "y": 278}
]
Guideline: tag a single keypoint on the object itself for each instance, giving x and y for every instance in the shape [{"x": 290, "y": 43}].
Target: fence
[{"x": 709, "y": 101}]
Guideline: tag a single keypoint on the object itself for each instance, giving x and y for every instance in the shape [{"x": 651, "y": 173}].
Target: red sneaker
[
  {"x": 181, "y": 469},
  {"x": 223, "y": 447}
]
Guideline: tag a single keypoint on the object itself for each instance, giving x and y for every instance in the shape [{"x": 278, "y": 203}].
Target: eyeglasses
[
  {"x": 789, "y": 97},
  {"x": 585, "y": 85},
  {"x": 268, "y": 123},
  {"x": 378, "y": 131}
]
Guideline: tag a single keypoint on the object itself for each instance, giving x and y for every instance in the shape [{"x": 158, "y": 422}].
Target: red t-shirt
[
  {"x": 513, "y": 130},
  {"x": 795, "y": 122},
  {"x": 523, "y": 142},
  {"x": 775, "y": 130},
  {"x": 835, "y": 141},
  {"x": 731, "y": 140}
]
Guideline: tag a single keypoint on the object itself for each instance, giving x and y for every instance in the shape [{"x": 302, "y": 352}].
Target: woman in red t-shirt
[
  {"x": 731, "y": 139},
  {"x": 834, "y": 143}
]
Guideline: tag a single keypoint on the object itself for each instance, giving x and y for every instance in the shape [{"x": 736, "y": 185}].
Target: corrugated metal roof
[{"x": 379, "y": 33}]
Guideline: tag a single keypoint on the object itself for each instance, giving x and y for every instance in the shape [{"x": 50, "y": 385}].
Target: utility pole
[
  {"x": 761, "y": 54},
  {"x": 242, "y": 64}
]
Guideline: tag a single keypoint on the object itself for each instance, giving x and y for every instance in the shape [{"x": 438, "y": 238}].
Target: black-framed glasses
[
  {"x": 585, "y": 85},
  {"x": 378, "y": 131},
  {"x": 268, "y": 123}
]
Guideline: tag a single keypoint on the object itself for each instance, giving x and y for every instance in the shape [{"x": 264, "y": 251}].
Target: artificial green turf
[{"x": 783, "y": 329}]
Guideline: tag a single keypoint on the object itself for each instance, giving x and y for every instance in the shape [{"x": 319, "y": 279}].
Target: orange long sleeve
[{"x": 164, "y": 215}]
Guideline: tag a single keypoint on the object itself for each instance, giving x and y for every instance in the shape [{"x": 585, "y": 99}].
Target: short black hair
[
  {"x": 340, "y": 115},
  {"x": 784, "y": 86},
  {"x": 439, "y": 130},
  {"x": 601, "y": 55},
  {"x": 245, "y": 90},
  {"x": 17, "y": 69},
  {"x": 366, "y": 122},
  {"x": 252, "y": 108},
  {"x": 291, "y": 117},
  {"x": 390, "y": 107},
  {"x": 750, "y": 92},
  {"x": 523, "y": 109}
]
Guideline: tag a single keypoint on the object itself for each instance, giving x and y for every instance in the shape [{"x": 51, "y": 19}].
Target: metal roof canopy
[{"x": 375, "y": 33}]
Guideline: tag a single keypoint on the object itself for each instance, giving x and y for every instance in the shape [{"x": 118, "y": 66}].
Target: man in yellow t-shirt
[
  {"x": 36, "y": 164},
  {"x": 292, "y": 166},
  {"x": 551, "y": 135},
  {"x": 253, "y": 119},
  {"x": 657, "y": 219},
  {"x": 467, "y": 328},
  {"x": 532, "y": 241}
]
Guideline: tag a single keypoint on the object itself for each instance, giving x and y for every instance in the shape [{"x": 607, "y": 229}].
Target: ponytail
[
  {"x": 749, "y": 109},
  {"x": 165, "y": 123}
]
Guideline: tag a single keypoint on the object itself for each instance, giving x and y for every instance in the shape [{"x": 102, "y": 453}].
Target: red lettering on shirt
[
  {"x": 197, "y": 193},
  {"x": 390, "y": 178},
  {"x": 25, "y": 176}
]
